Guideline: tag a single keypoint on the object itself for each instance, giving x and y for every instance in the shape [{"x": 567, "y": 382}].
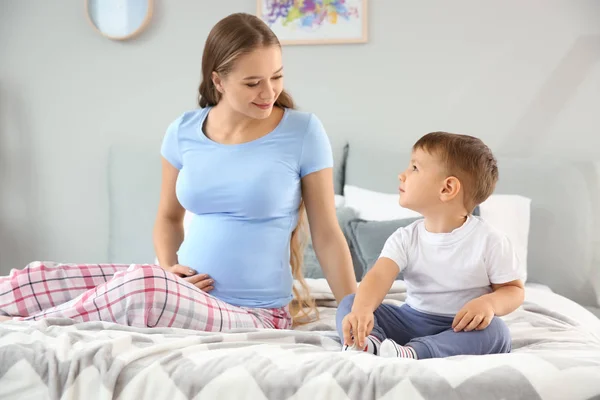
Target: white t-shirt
[{"x": 444, "y": 271}]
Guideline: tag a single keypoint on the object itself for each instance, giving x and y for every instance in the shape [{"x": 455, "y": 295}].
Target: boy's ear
[{"x": 450, "y": 188}]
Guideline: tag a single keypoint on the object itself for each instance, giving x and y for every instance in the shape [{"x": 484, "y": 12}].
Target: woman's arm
[
  {"x": 168, "y": 227},
  {"x": 169, "y": 232},
  {"x": 328, "y": 240}
]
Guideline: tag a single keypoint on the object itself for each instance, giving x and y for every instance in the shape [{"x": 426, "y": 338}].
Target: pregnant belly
[{"x": 248, "y": 266}]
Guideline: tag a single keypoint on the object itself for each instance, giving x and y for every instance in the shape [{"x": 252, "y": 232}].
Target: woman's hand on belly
[{"x": 201, "y": 281}]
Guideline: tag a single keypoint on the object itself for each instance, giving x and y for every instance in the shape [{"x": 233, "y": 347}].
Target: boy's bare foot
[{"x": 3, "y": 318}]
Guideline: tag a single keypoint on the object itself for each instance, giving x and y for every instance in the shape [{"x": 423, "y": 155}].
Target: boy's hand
[
  {"x": 476, "y": 314},
  {"x": 357, "y": 325}
]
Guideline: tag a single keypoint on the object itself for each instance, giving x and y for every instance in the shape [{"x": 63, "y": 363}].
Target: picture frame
[{"x": 314, "y": 22}]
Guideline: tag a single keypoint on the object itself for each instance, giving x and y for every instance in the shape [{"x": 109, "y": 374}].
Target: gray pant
[{"x": 431, "y": 336}]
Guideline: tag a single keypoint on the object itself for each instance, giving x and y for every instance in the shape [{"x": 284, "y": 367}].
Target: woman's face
[{"x": 254, "y": 83}]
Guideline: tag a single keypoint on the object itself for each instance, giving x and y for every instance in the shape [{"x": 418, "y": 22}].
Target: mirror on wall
[{"x": 119, "y": 19}]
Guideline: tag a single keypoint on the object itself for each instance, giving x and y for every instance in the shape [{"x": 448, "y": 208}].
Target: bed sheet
[{"x": 556, "y": 355}]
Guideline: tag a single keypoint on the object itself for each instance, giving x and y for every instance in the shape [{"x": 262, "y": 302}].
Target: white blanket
[{"x": 556, "y": 356}]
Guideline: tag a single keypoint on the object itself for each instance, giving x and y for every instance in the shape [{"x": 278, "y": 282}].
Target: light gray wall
[{"x": 524, "y": 76}]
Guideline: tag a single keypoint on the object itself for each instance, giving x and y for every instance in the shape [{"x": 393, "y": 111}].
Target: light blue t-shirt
[{"x": 245, "y": 200}]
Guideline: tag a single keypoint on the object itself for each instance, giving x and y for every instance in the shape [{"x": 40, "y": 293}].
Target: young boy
[{"x": 460, "y": 273}]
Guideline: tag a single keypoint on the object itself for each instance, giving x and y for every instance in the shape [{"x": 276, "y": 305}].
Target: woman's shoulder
[
  {"x": 296, "y": 114},
  {"x": 189, "y": 117},
  {"x": 302, "y": 120}
]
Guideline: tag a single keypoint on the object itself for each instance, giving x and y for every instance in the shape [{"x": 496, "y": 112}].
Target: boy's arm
[
  {"x": 373, "y": 288},
  {"x": 375, "y": 285},
  {"x": 502, "y": 266},
  {"x": 478, "y": 313},
  {"x": 357, "y": 325},
  {"x": 378, "y": 281},
  {"x": 506, "y": 297},
  {"x": 505, "y": 272}
]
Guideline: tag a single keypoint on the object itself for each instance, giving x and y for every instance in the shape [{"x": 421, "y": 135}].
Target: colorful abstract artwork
[{"x": 316, "y": 21}]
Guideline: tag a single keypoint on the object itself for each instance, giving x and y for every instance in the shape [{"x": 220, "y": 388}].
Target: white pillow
[
  {"x": 376, "y": 206},
  {"x": 507, "y": 213}
]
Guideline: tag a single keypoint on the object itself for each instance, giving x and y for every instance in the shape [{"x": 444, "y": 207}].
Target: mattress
[{"x": 556, "y": 355}]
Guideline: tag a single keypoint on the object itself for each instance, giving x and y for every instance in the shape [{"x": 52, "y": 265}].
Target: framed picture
[{"x": 315, "y": 21}]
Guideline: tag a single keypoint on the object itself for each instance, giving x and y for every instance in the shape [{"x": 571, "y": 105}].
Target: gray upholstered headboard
[{"x": 564, "y": 212}]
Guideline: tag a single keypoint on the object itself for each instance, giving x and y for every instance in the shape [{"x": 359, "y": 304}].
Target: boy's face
[{"x": 422, "y": 182}]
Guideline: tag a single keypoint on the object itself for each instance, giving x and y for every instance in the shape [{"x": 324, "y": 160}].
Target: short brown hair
[
  {"x": 231, "y": 37},
  {"x": 468, "y": 159}
]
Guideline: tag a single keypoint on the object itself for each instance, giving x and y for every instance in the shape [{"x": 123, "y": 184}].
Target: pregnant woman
[{"x": 246, "y": 165}]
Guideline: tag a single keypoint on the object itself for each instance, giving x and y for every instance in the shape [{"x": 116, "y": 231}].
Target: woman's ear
[
  {"x": 217, "y": 81},
  {"x": 450, "y": 189}
]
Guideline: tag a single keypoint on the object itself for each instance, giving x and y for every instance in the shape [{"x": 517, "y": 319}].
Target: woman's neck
[
  {"x": 230, "y": 123},
  {"x": 227, "y": 126}
]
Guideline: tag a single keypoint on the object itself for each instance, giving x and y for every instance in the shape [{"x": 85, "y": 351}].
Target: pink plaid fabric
[{"x": 137, "y": 295}]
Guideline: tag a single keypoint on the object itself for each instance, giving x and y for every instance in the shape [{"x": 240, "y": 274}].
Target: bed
[
  {"x": 556, "y": 337},
  {"x": 556, "y": 355}
]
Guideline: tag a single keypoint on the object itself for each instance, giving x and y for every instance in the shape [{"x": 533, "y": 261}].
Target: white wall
[{"x": 523, "y": 76}]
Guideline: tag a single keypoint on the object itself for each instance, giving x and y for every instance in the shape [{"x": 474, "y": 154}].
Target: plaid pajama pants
[{"x": 137, "y": 295}]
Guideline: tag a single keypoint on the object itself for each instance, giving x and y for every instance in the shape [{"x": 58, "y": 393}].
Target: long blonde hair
[
  {"x": 232, "y": 37},
  {"x": 303, "y": 307}
]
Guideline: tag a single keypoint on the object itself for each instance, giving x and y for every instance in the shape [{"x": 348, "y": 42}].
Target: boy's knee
[
  {"x": 346, "y": 303},
  {"x": 343, "y": 309},
  {"x": 500, "y": 335}
]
